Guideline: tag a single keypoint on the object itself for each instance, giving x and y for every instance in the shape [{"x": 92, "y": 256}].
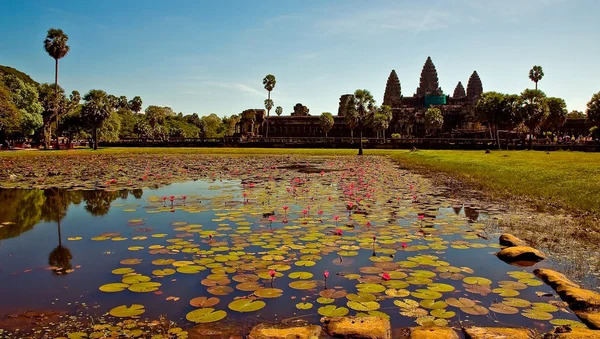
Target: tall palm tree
[
  {"x": 279, "y": 110},
  {"x": 361, "y": 107},
  {"x": 536, "y": 74},
  {"x": 269, "y": 83},
  {"x": 56, "y": 46}
]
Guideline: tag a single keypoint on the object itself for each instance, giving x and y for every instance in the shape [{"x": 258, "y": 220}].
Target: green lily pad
[
  {"x": 205, "y": 315},
  {"x": 363, "y": 306},
  {"x": 246, "y": 305},
  {"x": 370, "y": 288},
  {"x": 113, "y": 287},
  {"x": 144, "y": 287},
  {"x": 268, "y": 292},
  {"x": 303, "y": 284},
  {"x": 332, "y": 311},
  {"x": 477, "y": 281},
  {"x": 124, "y": 312},
  {"x": 304, "y": 306},
  {"x": 300, "y": 275}
]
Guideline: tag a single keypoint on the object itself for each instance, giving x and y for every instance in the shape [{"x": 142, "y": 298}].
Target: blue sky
[{"x": 211, "y": 56}]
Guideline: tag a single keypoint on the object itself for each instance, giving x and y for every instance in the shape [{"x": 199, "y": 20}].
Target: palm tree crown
[
  {"x": 55, "y": 43},
  {"x": 269, "y": 82},
  {"x": 536, "y": 74}
]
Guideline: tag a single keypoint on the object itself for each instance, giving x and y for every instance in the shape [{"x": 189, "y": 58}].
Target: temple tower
[
  {"x": 343, "y": 104},
  {"x": 393, "y": 92},
  {"x": 474, "y": 87},
  {"x": 429, "y": 79},
  {"x": 459, "y": 91}
]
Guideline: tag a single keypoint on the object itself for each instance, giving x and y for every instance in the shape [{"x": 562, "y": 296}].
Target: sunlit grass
[{"x": 569, "y": 180}]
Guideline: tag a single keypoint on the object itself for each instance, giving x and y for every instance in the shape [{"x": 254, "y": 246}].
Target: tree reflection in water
[{"x": 23, "y": 209}]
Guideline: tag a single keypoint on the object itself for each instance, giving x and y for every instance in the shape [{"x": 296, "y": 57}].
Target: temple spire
[
  {"x": 474, "y": 87},
  {"x": 393, "y": 91},
  {"x": 429, "y": 80},
  {"x": 459, "y": 91}
]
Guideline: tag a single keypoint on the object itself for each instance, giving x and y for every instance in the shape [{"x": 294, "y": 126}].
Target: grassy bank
[{"x": 569, "y": 180}]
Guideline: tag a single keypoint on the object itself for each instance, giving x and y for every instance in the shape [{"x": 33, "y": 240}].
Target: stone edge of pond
[
  {"x": 379, "y": 328},
  {"x": 584, "y": 303}
]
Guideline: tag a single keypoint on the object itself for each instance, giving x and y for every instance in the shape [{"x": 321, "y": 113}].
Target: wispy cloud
[
  {"x": 512, "y": 9},
  {"x": 236, "y": 86},
  {"x": 381, "y": 21}
]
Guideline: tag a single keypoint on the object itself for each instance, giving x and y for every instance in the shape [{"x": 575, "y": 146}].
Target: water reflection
[{"x": 23, "y": 209}]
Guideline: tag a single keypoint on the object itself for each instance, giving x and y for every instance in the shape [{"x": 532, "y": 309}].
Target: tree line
[{"x": 40, "y": 112}]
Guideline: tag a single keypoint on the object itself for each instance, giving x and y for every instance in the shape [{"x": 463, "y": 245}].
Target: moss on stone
[
  {"x": 499, "y": 333},
  {"x": 521, "y": 253},
  {"x": 357, "y": 327}
]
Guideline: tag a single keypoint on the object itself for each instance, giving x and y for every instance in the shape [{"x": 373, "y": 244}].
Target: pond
[{"x": 319, "y": 237}]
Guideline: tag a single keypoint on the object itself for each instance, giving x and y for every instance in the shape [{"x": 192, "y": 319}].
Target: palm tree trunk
[
  {"x": 530, "y": 140},
  {"x": 95, "y": 138},
  {"x": 352, "y": 135},
  {"x": 56, "y": 98},
  {"x": 384, "y": 136},
  {"x": 536, "y": 85},
  {"x": 59, "y": 235},
  {"x": 360, "y": 149},
  {"x": 268, "y": 114}
]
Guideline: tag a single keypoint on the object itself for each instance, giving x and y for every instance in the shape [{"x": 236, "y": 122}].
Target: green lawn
[
  {"x": 565, "y": 179},
  {"x": 569, "y": 180}
]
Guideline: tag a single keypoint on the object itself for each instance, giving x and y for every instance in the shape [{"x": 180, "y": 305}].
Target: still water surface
[{"x": 58, "y": 247}]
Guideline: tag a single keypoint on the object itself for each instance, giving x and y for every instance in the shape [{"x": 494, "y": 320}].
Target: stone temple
[{"x": 458, "y": 110}]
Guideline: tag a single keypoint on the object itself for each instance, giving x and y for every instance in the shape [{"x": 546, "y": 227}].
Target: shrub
[{"x": 395, "y": 135}]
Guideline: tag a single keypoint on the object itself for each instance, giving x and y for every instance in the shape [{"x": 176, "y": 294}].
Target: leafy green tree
[
  {"x": 361, "y": 108},
  {"x": 491, "y": 108},
  {"x": 269, "y": 83},
  {"x": 433, "y": 119},
  {"x": 279, "y": 110},
  {"x": 213, "y": 126},
  {"x": 25, "y": 97},
  {"x": 96, "y": 109},
  {"x": 574, "y": 114},
  {"x": 73, "y": 125},
  {"x": 326, "y": 121},
  {"x": 110, "y": 128},
  {"x": 8, "y": 111},
  {"x": 536, "y": 74},
  {"x": 385, "y": 118},
  {"x": 534, "y": 110},
  {"x": 593, "y": 109},
  {"x": 155, "y": 115},
  {"x": 229, "y": 124},
  {"x": 143, "y": 129},
  {"x": 128, "y": 122},
  {"x": 135, "y": 104},
  {"x": 557, "y": 114},
  {"x": 56, "y": 46},
  {"x": 123, "y": 102},
  {"x": 47, "y": 98}
]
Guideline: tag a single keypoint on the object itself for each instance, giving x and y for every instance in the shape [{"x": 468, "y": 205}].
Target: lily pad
[
  {"x": 332, "y": 311},
  {"x": 124, "y": 312},
  {"x": 204, "y": 302},
  {"x": 205, "y": 315},
  {"x": 246, "y": 305}
]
